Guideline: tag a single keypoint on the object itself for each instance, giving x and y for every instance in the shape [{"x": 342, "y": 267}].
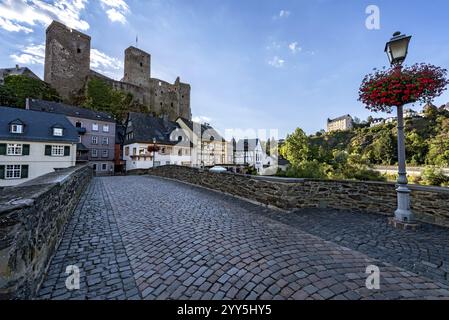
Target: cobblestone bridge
[{"x": 149, "y": 238}]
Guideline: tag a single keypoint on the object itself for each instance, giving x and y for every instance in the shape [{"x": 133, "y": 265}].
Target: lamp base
[{"x": 398, "y": 224}]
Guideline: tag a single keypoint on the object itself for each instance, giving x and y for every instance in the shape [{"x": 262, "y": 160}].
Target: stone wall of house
[
  {"x": 32, "y": 221},
  {"x": 430, "y": 204}
]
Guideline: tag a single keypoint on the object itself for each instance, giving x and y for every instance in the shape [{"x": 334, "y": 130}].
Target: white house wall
[{"x": 39, "y": 164}]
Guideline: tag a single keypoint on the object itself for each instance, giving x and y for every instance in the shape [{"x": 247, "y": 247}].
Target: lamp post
[
  {"x": 397, "y": 49},
  {"x": 154, "y": 152}
]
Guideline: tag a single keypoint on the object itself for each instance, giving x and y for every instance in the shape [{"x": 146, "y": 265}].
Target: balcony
[{"x": 81, "y": 131}]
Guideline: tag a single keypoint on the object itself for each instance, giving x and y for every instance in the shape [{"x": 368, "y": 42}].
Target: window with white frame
[
  {"x": 57, "y": 151},
  {"x": 94, "y": 140},
  {"x": 105, "y": 153},
  {"x": 94, "y": 153},
  {"x": 57, "y": 132},
  {"x": 104, "y": 166},
  {"x": 94, "y": 126},
  {"x": 16, "y": 128},
  {"x": 105, "y": 140},
  {"x": 105, "y": 128},
  {"x": 14, "y": 149},
  {"x": 13, "y": 171}
]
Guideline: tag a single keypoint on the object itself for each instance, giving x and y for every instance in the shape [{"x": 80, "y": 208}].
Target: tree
[
  {"x": 296, "y": 148},
  {"x": 384, "y": 148},
  {"x": 17, "y": 88},
  {"x": 416, "y": 148},
  {"x": 101, "y": 96}
]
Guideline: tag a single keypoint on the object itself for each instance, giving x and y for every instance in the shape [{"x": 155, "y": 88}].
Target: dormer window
[
  {"x": 58, "y": 132},
  {"x": 16, "y": 128}
]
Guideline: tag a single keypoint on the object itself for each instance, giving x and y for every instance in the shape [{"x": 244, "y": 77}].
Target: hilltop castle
[{"x": 67, "y": 69}]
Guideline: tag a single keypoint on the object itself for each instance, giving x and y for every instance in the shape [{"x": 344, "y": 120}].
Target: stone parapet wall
[
  {"x": 430, "y": 204},
  {"x": 32, "y": 221}
]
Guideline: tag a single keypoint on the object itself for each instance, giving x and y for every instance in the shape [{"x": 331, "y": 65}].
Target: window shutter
[
  {"x": 66, "y": 151},
  {"x": 26, "y": 150},
  {"x": 48, "y": 150},
  {"x": 24, "y": 171},
  {"x": 2, "y": 172},
  {"x": 2, "y": 149}
]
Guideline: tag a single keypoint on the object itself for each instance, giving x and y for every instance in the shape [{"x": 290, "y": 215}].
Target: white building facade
[
  {"x": 140, "y": 155},
  {"x": 33, "y": 144},
  {"x": 249, "y": 152}
]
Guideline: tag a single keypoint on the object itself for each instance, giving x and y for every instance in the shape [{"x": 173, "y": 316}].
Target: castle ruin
[{"x": 67, "y": 69}]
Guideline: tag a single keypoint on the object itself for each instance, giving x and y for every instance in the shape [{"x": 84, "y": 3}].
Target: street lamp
[
  {"x": 397, "y": 49},
  {"x": 154, "y": 152}
]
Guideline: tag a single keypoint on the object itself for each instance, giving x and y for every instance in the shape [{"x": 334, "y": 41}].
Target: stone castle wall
[
  {"x": 67, "y": 61},
  {"x": 32, "y": 222},
  {"x": 429, "y": 204},
  {"x": 67, "y": 69}
]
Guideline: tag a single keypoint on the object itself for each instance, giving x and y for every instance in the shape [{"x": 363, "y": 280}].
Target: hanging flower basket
[{"x": 397, "y": 86}]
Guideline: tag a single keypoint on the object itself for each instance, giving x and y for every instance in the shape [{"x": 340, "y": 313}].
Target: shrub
[{"x": 434, "y": 176}]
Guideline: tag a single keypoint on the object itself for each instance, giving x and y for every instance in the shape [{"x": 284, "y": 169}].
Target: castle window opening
[{"x": 78, "y": 50}]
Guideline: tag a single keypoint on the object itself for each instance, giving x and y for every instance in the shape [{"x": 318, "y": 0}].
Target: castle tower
[
  {"x": 67, "y": 61},
  {"x": 137, "y": 67}
]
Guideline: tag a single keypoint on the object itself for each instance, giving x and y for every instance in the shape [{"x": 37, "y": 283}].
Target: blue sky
[{"x": 257, "y": 64}]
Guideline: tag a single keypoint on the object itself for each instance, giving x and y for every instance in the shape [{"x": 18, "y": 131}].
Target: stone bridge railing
[
  {"x": 32, "y": 221},
  {"x": 430, "y": 204}
]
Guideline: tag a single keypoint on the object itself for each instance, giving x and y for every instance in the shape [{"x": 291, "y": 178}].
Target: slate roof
[
  {"x": 68, "y": 110},
  {"x": 339, "y": 118},
  {"x": 17, "y": 72},
  {"x": 37, "y": 126},
  {"x": 145, "y": 128},
  {"x": 204, "y": 127}
]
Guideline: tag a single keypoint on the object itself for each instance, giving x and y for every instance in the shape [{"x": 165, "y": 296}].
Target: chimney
[{"x": 27, "y": 103}]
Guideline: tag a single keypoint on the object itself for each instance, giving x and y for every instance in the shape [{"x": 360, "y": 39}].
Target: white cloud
[
  {"x": 116, "y": 10},
  {"x": 294, "y": 47},
  {"x": 276, "y": 62},
  {"x": 116, "y": 16},
  {"x": 201, "y": 119},
  {"x": 101, "y": 61},
  {"x": 32, "y": 54},
  {"x": 13, "y": 27},
  {"x": 21, "y": 15},
  {"x": 284, "y": 14},
  {"x": 24, "y": 15}
]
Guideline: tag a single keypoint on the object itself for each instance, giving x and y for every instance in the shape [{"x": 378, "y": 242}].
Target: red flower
[{"x": 384, "y": 89}]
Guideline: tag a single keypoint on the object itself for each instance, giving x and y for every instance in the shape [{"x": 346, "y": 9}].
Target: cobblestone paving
[
  {"x": 145, "y": 237},
  {"x": 425, "y": 251}
]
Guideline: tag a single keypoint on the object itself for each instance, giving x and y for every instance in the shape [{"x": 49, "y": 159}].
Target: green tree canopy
[
  {"x": 101, "y": 96},
  {"x": 17, "y": 88},
  {"x": 296, "y": 148}
]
